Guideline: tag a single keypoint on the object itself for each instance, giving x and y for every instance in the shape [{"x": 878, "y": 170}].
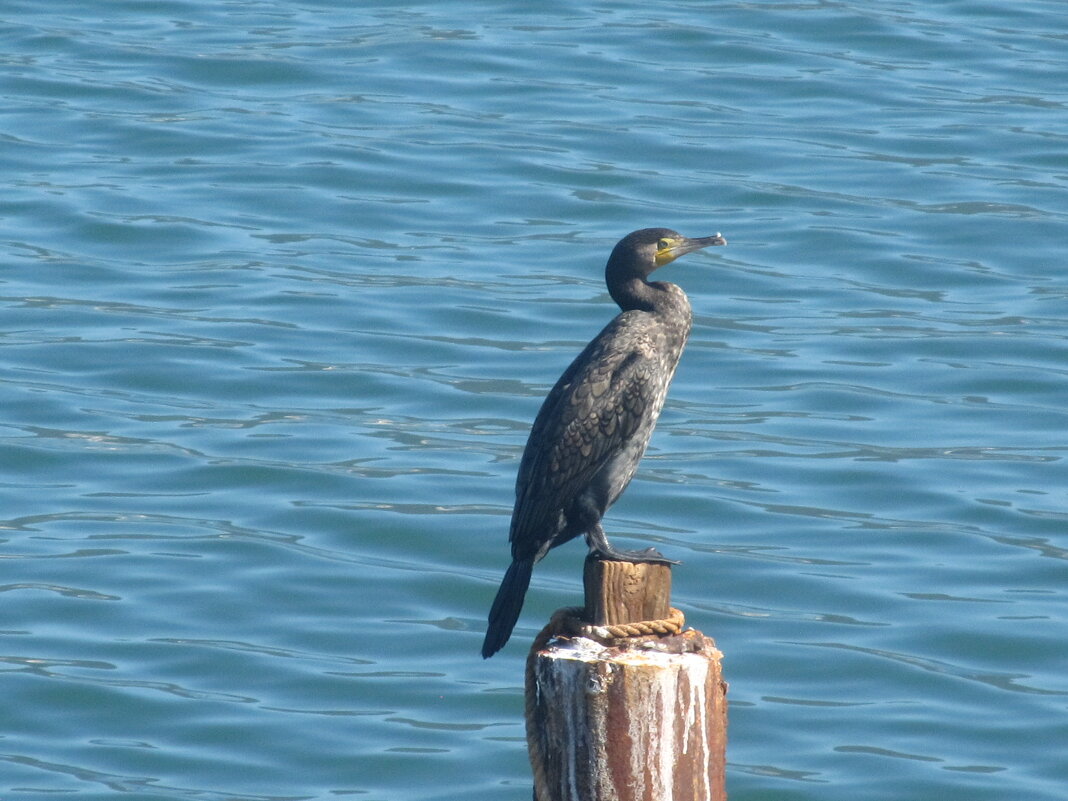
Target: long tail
[{"x": 506, "y": 606}]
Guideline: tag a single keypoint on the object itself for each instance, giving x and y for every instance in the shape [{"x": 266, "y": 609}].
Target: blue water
[{"x": 282, "y": 287}]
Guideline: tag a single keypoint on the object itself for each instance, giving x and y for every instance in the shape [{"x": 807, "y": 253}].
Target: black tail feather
[{"x": 506, "y": 606}]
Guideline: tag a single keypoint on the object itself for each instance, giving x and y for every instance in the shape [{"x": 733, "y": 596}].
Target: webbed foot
[
  {"x": 601, "y": 548},
  {"x": 649, "y": 555}
]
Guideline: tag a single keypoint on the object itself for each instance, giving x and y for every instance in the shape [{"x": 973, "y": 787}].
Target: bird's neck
[{"x": 637, "y": 293}]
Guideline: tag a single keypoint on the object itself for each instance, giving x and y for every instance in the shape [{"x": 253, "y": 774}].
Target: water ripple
[{"x": 284, "y": 289}]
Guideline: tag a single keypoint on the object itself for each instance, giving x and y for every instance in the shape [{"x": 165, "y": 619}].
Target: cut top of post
[{"x": 618, "y": 593}]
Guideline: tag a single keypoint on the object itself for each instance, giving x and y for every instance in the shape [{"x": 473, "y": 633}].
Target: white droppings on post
[
  {"x": 663, "y": 747},
  {"x": 697, "y": 677},
  {"x": 574, "y": 722},
  {"x": 696, "y": 715},
  {"x": 625, "y": 718}
]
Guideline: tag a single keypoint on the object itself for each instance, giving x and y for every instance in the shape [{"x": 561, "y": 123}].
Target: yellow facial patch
[{"x": 665, "y": 251}]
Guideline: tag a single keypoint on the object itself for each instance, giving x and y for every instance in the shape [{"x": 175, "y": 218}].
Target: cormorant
[{"x": 594, "y": 425}]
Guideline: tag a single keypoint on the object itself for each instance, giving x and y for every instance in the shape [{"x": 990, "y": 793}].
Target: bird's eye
[{"x": 663, "y": 244}]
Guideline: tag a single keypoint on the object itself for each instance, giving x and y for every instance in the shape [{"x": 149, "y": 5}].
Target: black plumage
[{"x": 595, "y": 424}]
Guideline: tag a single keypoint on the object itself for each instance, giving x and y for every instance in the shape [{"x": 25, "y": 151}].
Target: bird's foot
[{"x": 649, "y": 555}]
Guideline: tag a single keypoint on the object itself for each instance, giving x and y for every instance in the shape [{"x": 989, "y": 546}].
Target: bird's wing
[{"x": 595, "y": 408}]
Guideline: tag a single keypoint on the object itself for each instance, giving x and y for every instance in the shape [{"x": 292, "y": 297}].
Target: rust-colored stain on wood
[{"x": 637, "y": 724}]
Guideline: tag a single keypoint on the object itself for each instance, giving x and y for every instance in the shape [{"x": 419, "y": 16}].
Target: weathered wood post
[{"x": 623, "y": 705}]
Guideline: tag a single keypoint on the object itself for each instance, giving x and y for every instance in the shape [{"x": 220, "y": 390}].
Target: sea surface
[{"x": 282, "y": 285}]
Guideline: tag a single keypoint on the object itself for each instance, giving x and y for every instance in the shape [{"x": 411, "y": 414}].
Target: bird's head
[{"x": 645, "y": 250}]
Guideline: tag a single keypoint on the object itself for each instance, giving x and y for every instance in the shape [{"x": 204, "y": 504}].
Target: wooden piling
[{"x": 631, "y": 718}]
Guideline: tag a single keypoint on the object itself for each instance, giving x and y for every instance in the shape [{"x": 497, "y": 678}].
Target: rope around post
[{"x": 568, "y": 622}]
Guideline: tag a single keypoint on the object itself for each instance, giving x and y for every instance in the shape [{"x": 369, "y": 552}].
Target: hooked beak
[
  {"x": 681, "y": 247},
  {"x": 689, "y": 245}
]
